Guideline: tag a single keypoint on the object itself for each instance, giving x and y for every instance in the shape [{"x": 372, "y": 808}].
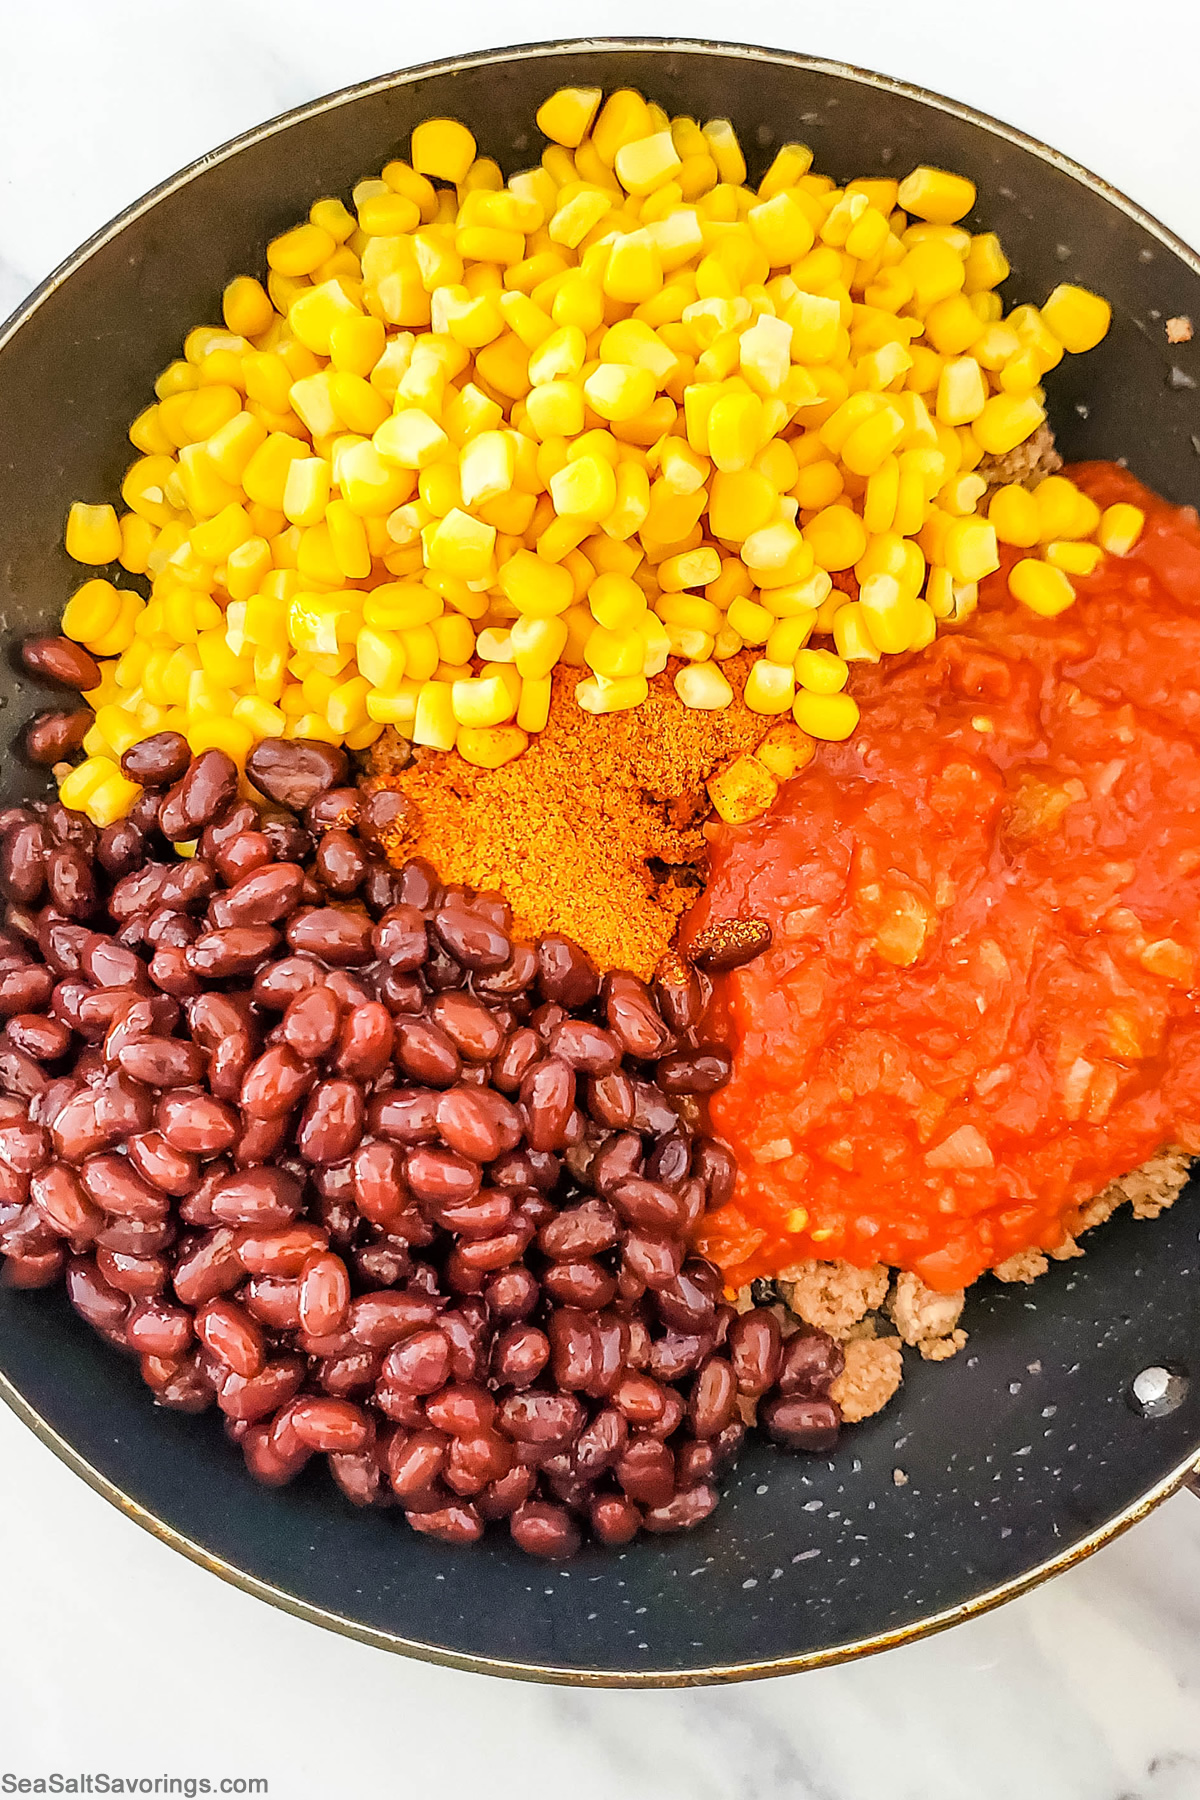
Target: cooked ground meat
[
  {"x": 874, "y": 1370},
  {"x": 1028, "y": 463},
  {"x": 927, "y": 1319},
  {"x": 833, "y": 1295}
]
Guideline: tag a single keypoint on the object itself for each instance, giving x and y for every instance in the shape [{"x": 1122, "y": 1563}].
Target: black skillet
[{"x": 1022, "y": 1454}]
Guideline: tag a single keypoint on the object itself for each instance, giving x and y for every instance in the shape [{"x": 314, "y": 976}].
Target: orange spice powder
[{"x": 595, "y": 831}]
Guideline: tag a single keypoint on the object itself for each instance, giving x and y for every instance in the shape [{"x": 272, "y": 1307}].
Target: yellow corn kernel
[
  {"x": 1120, "y": 528},
  {"x": 533, "y": 712},
  {"x": 819, "y": 483},
  {"x": 962, "y": 493},
  {"x": 332, "y": 217},
  {"x": 300, "y": 251},
  {"x": 743, "y": 790},
  {"x": 138, "y": 538},
  {"x": 936, "y": 195},
  {"x": 852, "y": 635},
  {"x": 306, "y": 490},
  {"x": 939, "y": 593},
  {"x": 117, "y": 727},
  {"x": 777, "y": 555},
  {"x": 490, "y": 747},
  {"x": 623, "y": 117},
  {"x": 725, "y": 151},
  {"x": 644, "y": 164},
  {"x": 1039, "y": 586},
  {"x": 555, "y": 409},
  {"x": 741, "y": 502},
  {"x": 455, "y": 638},
  {"x": 536, "y": 645},
  {"x": 888, "y": 612},
  {"x": 263, "y": 719},
  {"x": 566, "y": 117},
  {"x": 1056, "y": 502},
  {"x": 970, "y": 549},
  {"x": 791, "y": 162},
  {"x": 828, "y": 717},
  {"x": 388, "y": 215},
  {"x": 770, "y": 687},
  {"x": 785, "y": 751},
  {"x": 147, "y": 435},
  {"x": 690, "y": 612},
  {"x": 216, "y": 539},
  {"x": 560, "y": 537},
  {"x": 735, "y": 431},
  {"x": 246, "y": 306},
  {"x": 837, "y": 538},
  {"x": 733, "y": 580},
  {"x": 381, "y": 658},
  {"x": 702, "y": 687},
  {"x": 434, "y": 723},
  {"x": 693, "y": 646},
  {"x": 585, "y": 489},
  {"x": 788, "y": 638},
  {"x": 231, "y": 735},
  {"x": 597, "y": 694},
  {"x": 482, "y": 701},
  {"x": 559, "y": 357},
  {"x": 346, "y": 706},
  {"x": 356, "y": 344},
  {"x": 962, "y": 391},
  {"x": 265, "y": 475},
  {"x": 1013, "y": 512},
  {"x": 985, "y": 264},
  {"x": 360, "y": 407},
  {"x": 1006, "y": 421},
  {"x": 618, "y": 392},
  {"x": 869, "y": 445},
  {"x": 1073, "y": 558},
  {"x": 311, "y": 725},
  {"x": 535, "y": 587},
  {"x": 616, "y": 601},
  {"x": 109, "y": 799},
  {"x": 616, "y": 655},
  {"x": 412, "y": 439},
  {"x": 821, "y": 672},
  {"x": 76, "y": 789},
  {"x": 231, "y": 448},
  {"x": 633, "y": 273},
  {"x": 690, "y": 569},
  {"x": 752, "y": 622},
  {"x": 91, "y": 612},
  {"x": 1077, "y": 317},
  {"x": 444, "y": 149},
  {"x": 93, "y": 534},
  {"x": 117, "y": 639}
]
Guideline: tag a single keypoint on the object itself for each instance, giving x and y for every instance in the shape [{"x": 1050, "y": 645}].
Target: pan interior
[{"x": 987, "y": 1468}]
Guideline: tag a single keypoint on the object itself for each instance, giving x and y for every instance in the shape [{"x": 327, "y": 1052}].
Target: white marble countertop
[{"x": 117, "y": 1654}]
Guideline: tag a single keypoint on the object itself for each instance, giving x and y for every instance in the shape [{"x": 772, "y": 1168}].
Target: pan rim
[{"x": 565, "y": 1675}]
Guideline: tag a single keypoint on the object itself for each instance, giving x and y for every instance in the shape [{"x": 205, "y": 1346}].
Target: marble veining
[{"x": 116, "y": 1654}]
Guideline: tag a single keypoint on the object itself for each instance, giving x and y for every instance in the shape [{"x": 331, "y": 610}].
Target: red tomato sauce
[{"x": 982, "y": 1000}]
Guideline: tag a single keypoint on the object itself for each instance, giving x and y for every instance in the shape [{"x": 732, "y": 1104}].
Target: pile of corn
[{"x": 620, "y": 409}]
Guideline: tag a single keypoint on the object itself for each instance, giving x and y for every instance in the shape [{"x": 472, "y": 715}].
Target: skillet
[{"x": 987, "y": 1474}]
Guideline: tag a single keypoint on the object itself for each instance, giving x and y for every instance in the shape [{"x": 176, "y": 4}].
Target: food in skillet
[{"x": 572, "y": 504}]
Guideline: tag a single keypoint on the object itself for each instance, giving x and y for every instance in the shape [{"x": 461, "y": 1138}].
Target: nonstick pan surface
[{"x": 987, "y": 1473}]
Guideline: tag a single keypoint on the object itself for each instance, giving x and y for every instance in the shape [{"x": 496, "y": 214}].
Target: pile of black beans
[{"x": 326, "y": 1147}]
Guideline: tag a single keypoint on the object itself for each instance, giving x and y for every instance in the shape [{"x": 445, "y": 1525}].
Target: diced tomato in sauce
[{"x": 982, "y": 1001}]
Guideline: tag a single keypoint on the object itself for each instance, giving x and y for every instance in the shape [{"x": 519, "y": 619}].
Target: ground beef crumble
[
  {"x": 876, "y": 1313},
  {"x": 874, "y": 1370}
]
